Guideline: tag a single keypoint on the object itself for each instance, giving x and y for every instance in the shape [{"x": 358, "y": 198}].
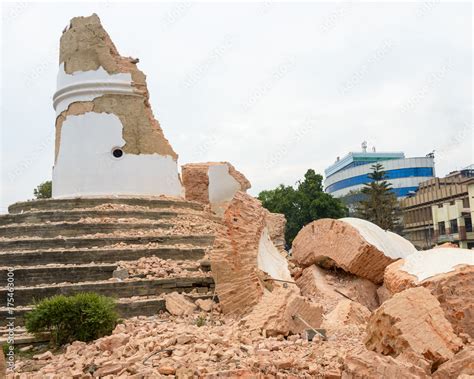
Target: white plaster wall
[
  {"x": 428, "y": 263},
  {"x": 222, "y": 186},
  {"x": 270, "y": 260},
  {"x": 391, "y": 245},
  {"x": 85, "y": 165},
  {"x": 87, "y": 85}
]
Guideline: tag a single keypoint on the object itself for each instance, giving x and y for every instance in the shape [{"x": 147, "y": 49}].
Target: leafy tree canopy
[
  {"x": 303, "y": 204},
  {"x": 44, "y": 190}
]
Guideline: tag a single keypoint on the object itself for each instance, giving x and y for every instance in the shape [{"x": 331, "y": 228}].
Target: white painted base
[
  {"x": 85, "y": 165},
  {"x": 428, "y": 263},
  {"x": 222, "y": 187},
  {"x": 391, "y": 244},
  {"x": 269, "y": 259}
]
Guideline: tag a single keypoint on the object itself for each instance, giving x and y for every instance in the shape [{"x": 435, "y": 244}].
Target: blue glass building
[{"x": 348, "y": 175}]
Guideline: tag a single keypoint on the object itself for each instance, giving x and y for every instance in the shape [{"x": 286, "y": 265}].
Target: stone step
[
  {"x": 126, "y": 307},
  {"x": 68, "y": 204},
  {"x": 76, "y": 215},
  {"x": 75, "y": 229},
  {"x": 82, "y": 256},
  {"x": 38, "y": 275},
  {"x": 83, "y": 243},
  {"x": 128, "y": 288},
  {"x": 35, "y": 275}
]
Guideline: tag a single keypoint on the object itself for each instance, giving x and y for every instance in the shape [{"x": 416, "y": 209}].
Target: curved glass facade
[{"x": 391, "y": 174}]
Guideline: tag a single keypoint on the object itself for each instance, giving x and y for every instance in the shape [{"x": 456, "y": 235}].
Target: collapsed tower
[{"x": 107, "y": 139}]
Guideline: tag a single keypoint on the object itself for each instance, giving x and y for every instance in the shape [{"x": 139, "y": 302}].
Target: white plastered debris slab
[
  {"x": 88, "y": 85},
  {"x": 86, "y": 166},
  {"x": 429, "y": 263},
  {"x": 270, "y": 260},
  {"x": 222, "y": 186},
  {"x": 392, "y": 245}
]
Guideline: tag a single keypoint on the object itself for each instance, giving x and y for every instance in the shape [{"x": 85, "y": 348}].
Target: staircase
[{"x": 66, "y": 246}]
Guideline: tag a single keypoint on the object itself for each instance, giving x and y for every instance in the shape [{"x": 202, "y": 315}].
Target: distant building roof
[{"x": 360, "y": 158}]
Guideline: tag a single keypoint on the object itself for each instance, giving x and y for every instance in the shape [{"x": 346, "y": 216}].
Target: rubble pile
[
  {"x": 176, "y": 346},
  {"x": 154, "y": 267},
  {"x": 351, "y": 301},
  {"x": 316, "y": 314}
]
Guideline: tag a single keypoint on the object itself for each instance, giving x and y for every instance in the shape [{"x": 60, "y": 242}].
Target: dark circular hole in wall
[{"x": 117, "y": 153}]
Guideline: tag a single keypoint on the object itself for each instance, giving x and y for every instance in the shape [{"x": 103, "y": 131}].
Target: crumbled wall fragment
[
  {"x": 326, "y": 287},
  {"x": 412, "y": 320},
  {"x": 235, "y": 255},
  {"x": 448, "y": 273},
  {"x": 355, "y": 245},
  {"x": 213, "y": 183},
  {"x": 276, "y": 224},
  {"x": 281, "y": 312}
]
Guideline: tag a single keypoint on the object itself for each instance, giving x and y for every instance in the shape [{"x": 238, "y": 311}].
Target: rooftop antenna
[{"x": 364, "y": 146}]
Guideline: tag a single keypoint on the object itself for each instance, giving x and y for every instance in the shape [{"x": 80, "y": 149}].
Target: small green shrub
[
  {"x": 82, "y": 317},
  {"x": 201, "y": 321}
]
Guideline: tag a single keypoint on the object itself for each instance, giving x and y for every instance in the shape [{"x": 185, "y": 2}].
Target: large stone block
[
  {"x": 355, "y": 245},
  {"x": 412, "y": 320},
  {"x": 448, "y": 273},
  {"x": 346, "y": 312},
  {"x": 327, "y": 287},
  {"x": 281, "y": 312}
]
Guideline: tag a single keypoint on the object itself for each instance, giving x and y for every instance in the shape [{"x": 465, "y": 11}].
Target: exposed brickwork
[{"x": 412, "y": 320}]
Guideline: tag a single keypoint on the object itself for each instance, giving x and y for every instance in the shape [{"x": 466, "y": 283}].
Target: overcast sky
[{"x": 273, "y": 88}]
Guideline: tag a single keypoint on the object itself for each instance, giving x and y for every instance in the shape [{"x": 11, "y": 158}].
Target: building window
[
  {"x": 468, "y": 223},
  {"x": 454, "y": 226},
  {"x": 391, "y": 174},
  {"x": 441, "y": 228}
]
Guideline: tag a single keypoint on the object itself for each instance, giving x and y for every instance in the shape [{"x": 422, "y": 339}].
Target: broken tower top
[{"x": 107, "y": 139}]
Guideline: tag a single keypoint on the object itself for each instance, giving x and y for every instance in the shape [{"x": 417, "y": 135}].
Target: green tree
[
  {"x": 380, "y": 204},
  {"x": 44, "y": 190},
  {"x": 303, "y": 204}
]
